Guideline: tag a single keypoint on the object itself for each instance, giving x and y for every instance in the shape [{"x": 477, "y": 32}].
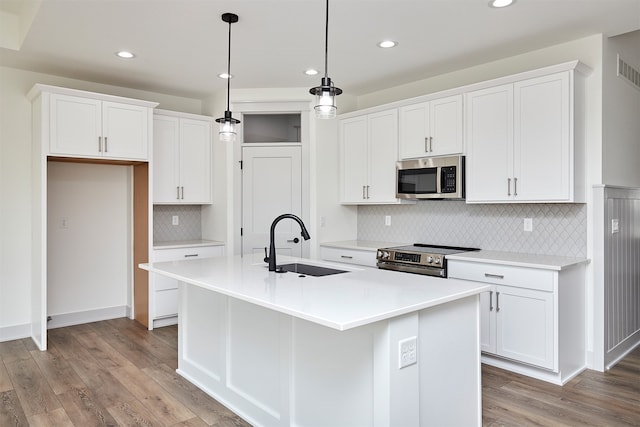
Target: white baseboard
[
  {"x": 88, "y": 316},
  {"x": 15, "y": 332}
]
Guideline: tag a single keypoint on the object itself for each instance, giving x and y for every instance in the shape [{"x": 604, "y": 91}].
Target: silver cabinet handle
[
  {"x": 508, "y": 186},
  {"x": 490, "y": 300},
  {"x": 431, "y": 144},
  {"x": 346, "y": 256},
  {"x": 182, "y": 193},
  {"x": 367, "y": 191},
  {"x": 497, "y": 302},
  {"x": 100, "y": 144},
  {"x": 363, "y": 195},
  {"x": 494, "y": 276},
  {"x": 105, "y": 144},
  {"x": 515, "y": 186},
  {"x": 190, "y": 255},
  {"x": 426, "y": 144},
  {"x": 178, "y": 192}
]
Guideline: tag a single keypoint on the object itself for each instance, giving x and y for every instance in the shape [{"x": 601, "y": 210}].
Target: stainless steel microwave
[{"x": 430, "y": 178}]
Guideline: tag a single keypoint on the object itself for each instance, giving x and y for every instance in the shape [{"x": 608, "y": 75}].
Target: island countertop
[{"x": 342, "y": 301}]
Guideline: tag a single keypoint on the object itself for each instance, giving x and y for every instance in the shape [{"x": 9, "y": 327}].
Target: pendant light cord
[
  {"x": 229, "y": 67},
  {"x": 326, "y": 42}
]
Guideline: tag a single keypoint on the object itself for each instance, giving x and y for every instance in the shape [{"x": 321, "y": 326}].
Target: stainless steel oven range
[{"x": 418, "y": 258}]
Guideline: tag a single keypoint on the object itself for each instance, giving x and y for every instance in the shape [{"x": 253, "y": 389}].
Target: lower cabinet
[
  {"x": 163, "y": 291},
  {"x": 532, "y": 321},
  {"x": 349, "y": 256}
]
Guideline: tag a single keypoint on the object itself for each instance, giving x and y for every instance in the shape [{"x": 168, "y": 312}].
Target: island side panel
[{"x": 450, "y": 372}]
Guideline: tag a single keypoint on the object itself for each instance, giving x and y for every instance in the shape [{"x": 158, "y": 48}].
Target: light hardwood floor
[{"x": 116, "y": 372}]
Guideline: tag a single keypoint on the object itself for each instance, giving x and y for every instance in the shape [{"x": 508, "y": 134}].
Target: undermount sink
[{"x": 308, "y": 270}]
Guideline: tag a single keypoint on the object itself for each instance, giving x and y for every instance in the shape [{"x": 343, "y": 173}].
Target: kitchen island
[{"x": 365, "y": 347}]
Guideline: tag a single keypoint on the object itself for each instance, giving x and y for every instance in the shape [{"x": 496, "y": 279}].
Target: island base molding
[{"x": 273, "y": 369}]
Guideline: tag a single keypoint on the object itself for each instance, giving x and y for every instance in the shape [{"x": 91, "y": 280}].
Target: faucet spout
[{"x": 272, "y": 244}]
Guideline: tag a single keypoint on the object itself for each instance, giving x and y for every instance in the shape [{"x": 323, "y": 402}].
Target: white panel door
[
  {"x": 195, "y": 161},
  {"x": 489, "y": 134},
  {"x": 271, "y": 186},
  {"x": 445, "y": 123},
  {"x": 542, "y": 161},
  {"x": 353, "y": 159},
  {"x": 488, "y": 321},
  {"x": 166, "y": 153},
  {"x": 414, "y": 130},
  {"x": 124, "y": 128},
  {"x": 75, "y": 126},
  {"x": 383, "y": 154}
]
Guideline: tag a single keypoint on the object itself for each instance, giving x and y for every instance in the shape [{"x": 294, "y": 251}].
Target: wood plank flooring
[{"x": 116, "y": 373}]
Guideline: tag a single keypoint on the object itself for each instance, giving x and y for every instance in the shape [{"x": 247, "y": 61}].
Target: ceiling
[{"x": 181, "y": 45}]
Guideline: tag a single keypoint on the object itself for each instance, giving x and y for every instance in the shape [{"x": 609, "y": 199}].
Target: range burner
[{"x": 419, "y": 258}]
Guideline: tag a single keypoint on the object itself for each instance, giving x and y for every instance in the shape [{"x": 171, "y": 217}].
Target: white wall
[
  {"x": 89, "y": 255},
  {"x": 621, "y": 114},
  {"x": 15, "y": 183}
]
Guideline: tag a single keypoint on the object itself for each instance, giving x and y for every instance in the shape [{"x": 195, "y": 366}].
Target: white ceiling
[{"x": 181, "y": 45}]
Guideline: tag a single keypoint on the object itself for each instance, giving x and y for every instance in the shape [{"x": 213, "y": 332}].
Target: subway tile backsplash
[
  {"x": 188, "y": 228},
  {"x": 558, "y": 229}
]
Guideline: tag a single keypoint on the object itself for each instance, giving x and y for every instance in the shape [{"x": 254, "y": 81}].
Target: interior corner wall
[{"x": 621, "y": 113}]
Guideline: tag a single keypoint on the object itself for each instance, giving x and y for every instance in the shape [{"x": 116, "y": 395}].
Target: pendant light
[
  {"x": 326, "y": 93},
  {"x": 227, "y": 123}
]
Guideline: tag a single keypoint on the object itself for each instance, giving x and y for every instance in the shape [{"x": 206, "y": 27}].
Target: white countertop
[
  {"x": 363, "y": 245},
  {"x": 342, "y": 301},
  {"x": 186, "y": 244},
  {"x": 547, "y": 262}
]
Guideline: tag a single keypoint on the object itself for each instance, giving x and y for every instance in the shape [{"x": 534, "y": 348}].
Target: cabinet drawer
[
  {"x": 176, "y": 254},
  {"x": 349, "y": 256},
  {"x": 531, "y": 278},
  {"x": 166, "y": 303}
]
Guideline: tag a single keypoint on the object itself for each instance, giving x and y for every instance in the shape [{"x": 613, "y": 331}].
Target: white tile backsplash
[
  {"x": 189, "y": 227},
  {"x": 558, "y": 229}
]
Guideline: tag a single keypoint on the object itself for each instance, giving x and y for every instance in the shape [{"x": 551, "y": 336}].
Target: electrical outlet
[
  {"x": 387, "y": 220},
  {"x": 407, "y": 352},
  {"x": 614, "y": 226},
  {"x": 175, "y": 220},
  {"x": 64, "y": 223},
  {"x": 528, "y": 224}
]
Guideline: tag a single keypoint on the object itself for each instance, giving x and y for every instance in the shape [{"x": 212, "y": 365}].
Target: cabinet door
[
  {"x": 414, "y": 130},
  {"x": 195, "y": 161},
  {"x": 489, "y": 136},
  {"x": 76, "y": 125},
  {"x": 124, "y": 128},
  {"x": 488, "y": 322},
  {"x": 445, "y": 120},
  {"x": 542, "y": 157},
  {"x": 353, "y": 159},
  {"x": 525, "y": 325},
  {"x": 383, "y": 155},
  {"x": 166, "y": 180}
]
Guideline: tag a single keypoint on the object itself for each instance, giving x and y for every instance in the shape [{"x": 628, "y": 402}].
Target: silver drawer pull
[
  {"x": 190, "y": 255},
  {"x": 497, "y": 302},
  {"x": 346, "y": 256},
  {"x": 494, "y": 276},
  {"x": 490, "y": 300}
]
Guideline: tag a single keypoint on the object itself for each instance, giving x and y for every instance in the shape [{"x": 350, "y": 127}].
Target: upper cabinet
[
  {"x": 524, "y": 141},
  {"x": 368, "y": 155},
  {"x": 432, "y": 128},
  {"x": 89, "y": 125},
  {"x": 181, "y": 158}
]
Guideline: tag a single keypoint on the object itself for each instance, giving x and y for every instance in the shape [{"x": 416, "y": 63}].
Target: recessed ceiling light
[
  {"x": 501, "y": 3},
  {"x": 225, "y": 76},
  {"x": 311, "y": 72},
  {"x": 125, "y": 54},
  {"x": 387, "y": 44}
]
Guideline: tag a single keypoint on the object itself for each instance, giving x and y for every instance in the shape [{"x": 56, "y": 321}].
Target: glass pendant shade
[{"x": 227, "y": 131}]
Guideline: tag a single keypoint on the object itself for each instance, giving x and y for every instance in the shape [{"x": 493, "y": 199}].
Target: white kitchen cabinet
[
  {"x": 432, "y": 128},
  {"x": 163, "y": 291},
  {"x": 532, "y": 320},
  {"x": 181, "y": 158},
  {"x": 349, "y": 256},
  {"x": 521, "y": 142},
  {"x": 368, "y": 155},
  {"x": 95, "y": 128}
]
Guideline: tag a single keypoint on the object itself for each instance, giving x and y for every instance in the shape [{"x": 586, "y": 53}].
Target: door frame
[{"x": 276, "y": 107}]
